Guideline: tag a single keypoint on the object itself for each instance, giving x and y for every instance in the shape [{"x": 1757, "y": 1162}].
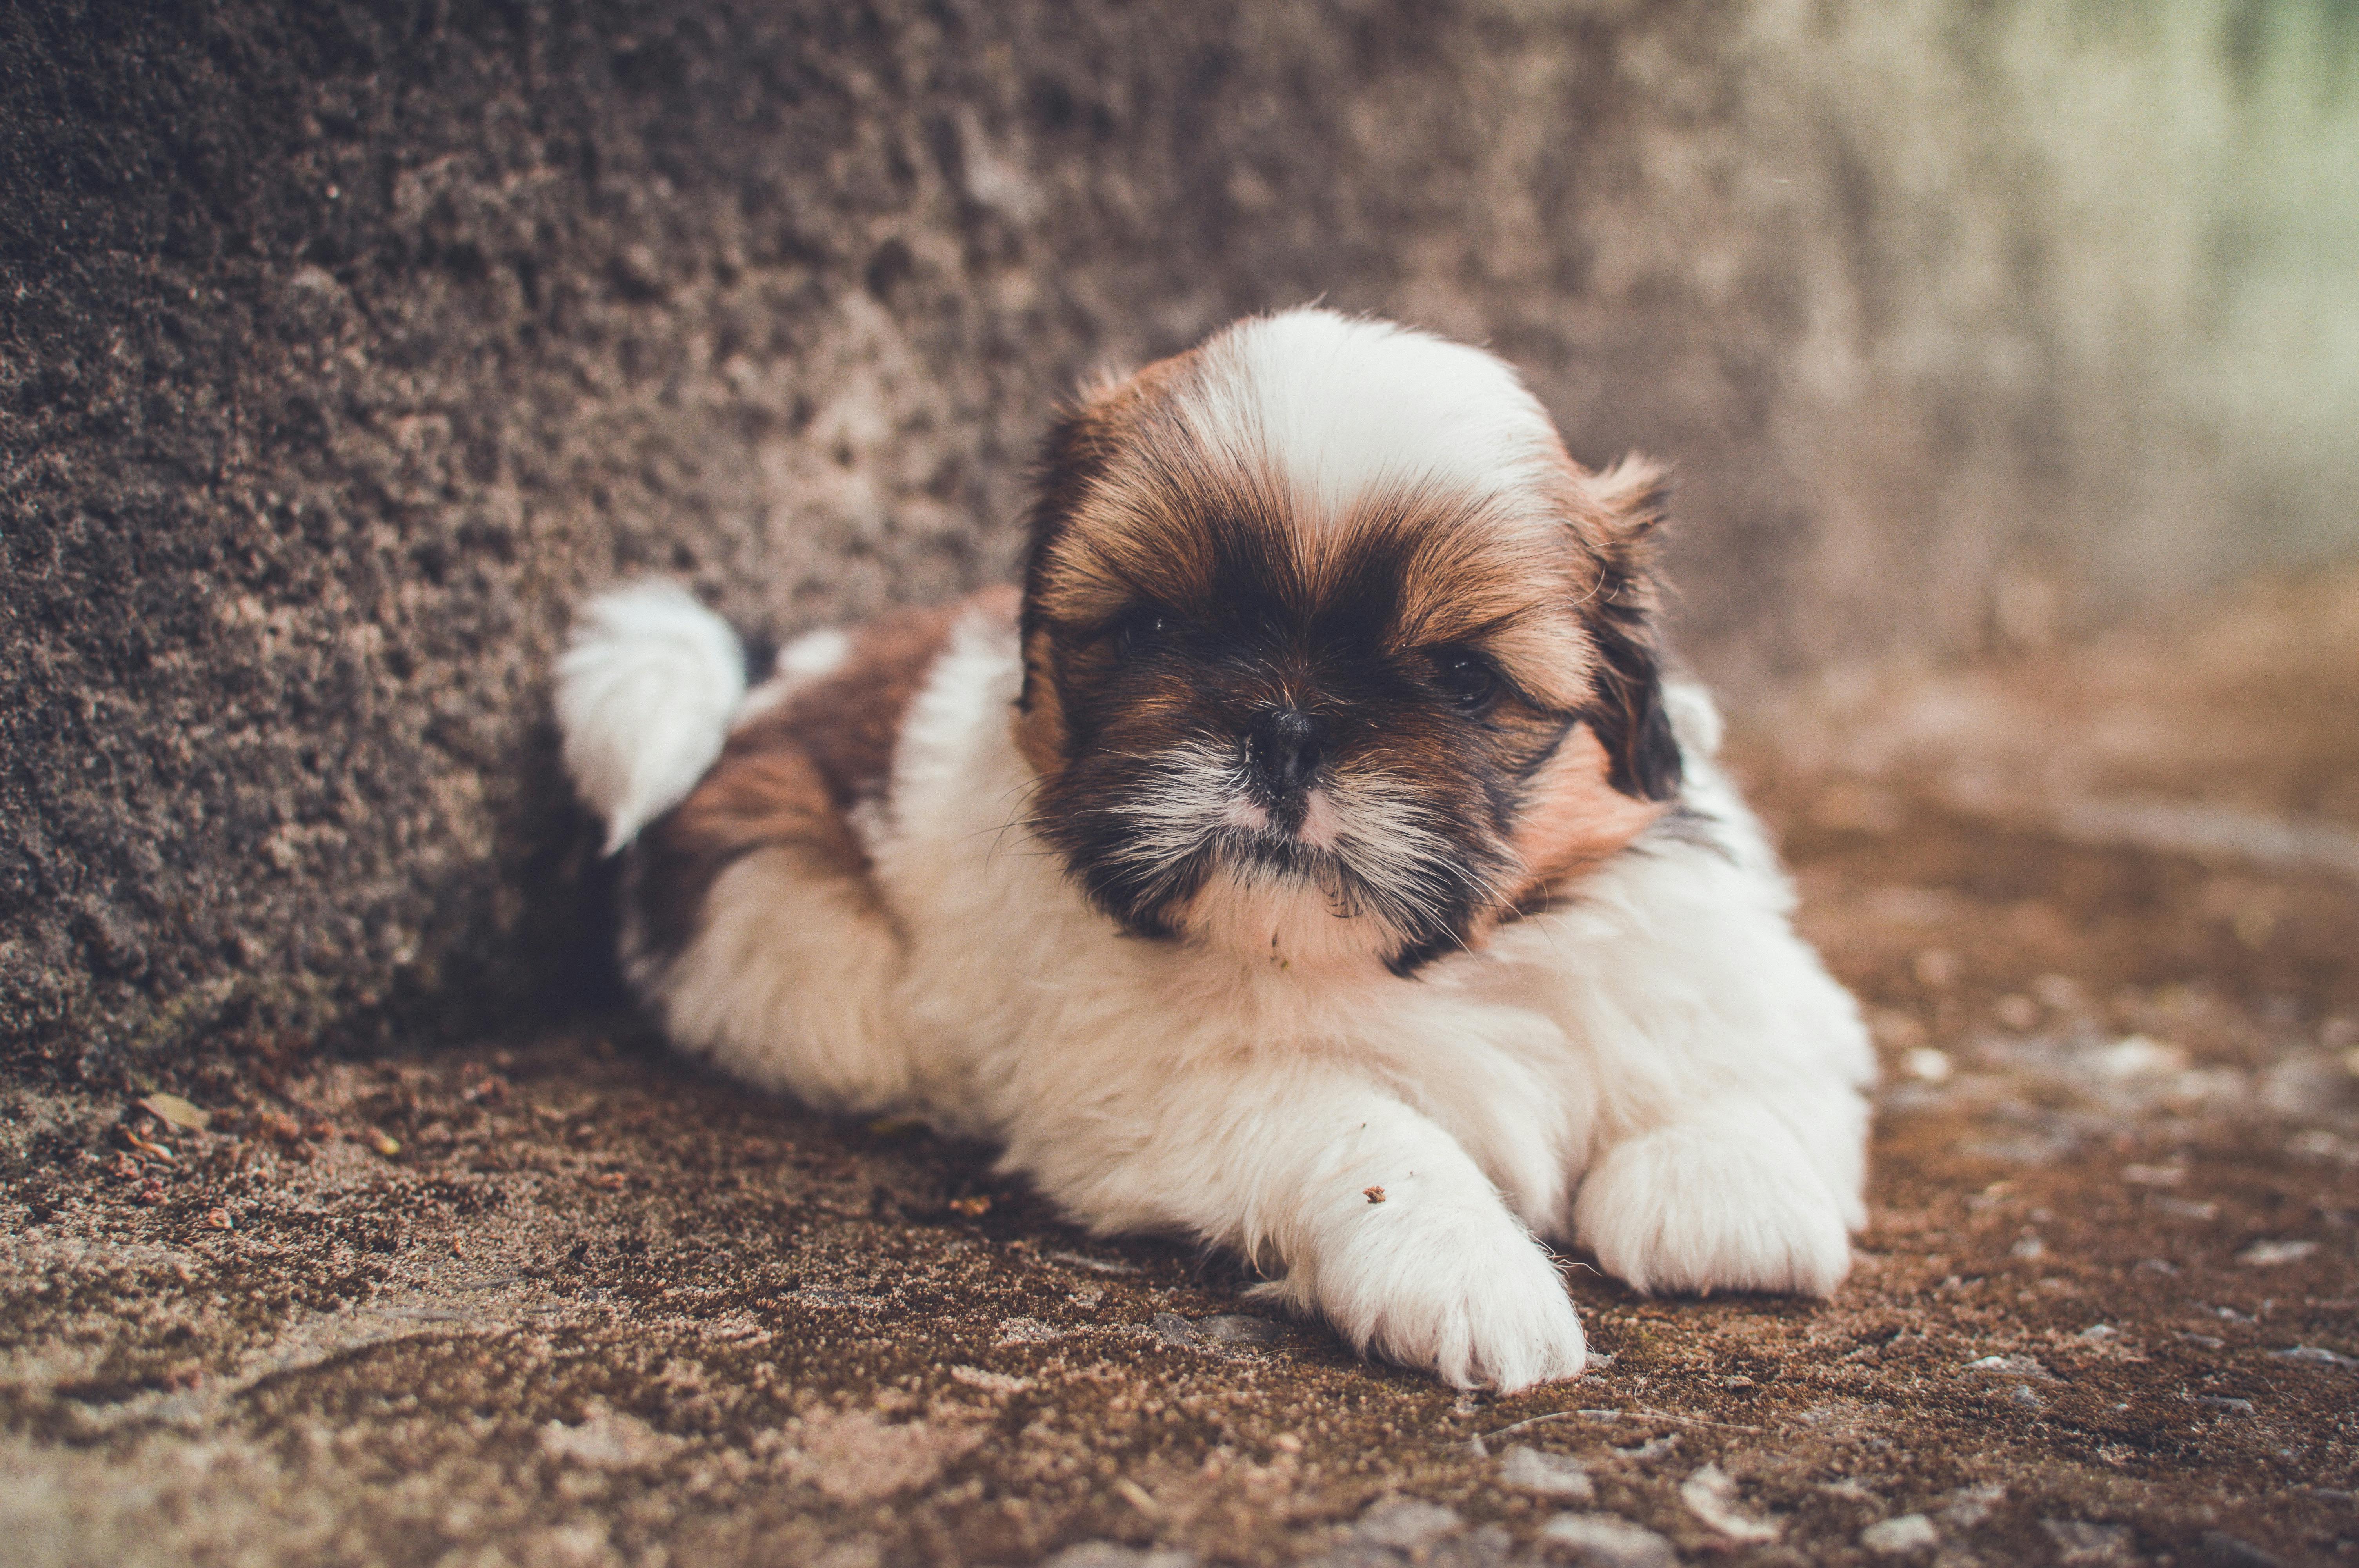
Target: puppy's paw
[
  {"x": 1474, "y": 1299},
  {"x": 1713, "y": 1207}
]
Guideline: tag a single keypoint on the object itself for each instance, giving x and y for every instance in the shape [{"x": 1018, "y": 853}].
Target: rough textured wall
[{"x": 343, "y": 345}]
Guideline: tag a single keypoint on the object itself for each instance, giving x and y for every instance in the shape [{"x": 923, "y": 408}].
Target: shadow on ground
[{"x": 568, "y": 1302}]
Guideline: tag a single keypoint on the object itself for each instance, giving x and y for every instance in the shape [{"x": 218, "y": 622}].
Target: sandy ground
[{"x": 566, "y": 1302}]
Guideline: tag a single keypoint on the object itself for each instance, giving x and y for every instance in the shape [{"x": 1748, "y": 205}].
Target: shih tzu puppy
[{"x": 1313, "y": 860}]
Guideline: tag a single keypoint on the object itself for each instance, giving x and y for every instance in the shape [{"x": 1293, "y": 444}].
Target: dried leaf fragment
[
  {"x": 177, "y": 1112},
  {"x": 1373, "y": 1195}
]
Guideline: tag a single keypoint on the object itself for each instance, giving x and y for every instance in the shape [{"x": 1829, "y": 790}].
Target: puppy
[{"x": 1313, "y": 860}]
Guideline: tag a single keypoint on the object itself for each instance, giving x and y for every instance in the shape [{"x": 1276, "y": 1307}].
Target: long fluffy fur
[
  {"x": 645, "y": 695},
  {"x": 1640, "y": 1057}
]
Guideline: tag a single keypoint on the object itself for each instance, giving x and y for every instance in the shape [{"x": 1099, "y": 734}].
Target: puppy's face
[{"x": 1334, "y": 657}]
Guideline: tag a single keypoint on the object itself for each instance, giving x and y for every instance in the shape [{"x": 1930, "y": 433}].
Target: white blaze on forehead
[{"x": 1341, "y": 410}]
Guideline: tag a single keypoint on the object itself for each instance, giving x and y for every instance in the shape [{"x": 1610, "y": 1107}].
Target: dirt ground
[{"x": 563, "y": 1300}]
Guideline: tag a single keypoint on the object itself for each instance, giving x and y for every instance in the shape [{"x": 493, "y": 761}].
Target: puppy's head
[{"x": 1333, "y": 655}]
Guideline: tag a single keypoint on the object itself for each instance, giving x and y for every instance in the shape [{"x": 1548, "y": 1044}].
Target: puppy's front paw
[
  {"x": 1713, "y": 1207},
  {"x": 1472, "y": 1298}
]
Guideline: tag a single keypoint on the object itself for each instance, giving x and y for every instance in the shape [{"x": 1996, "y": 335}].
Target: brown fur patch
[
  {"x": 1124, "y": 493},
  {"x": 1573, "y": 818},
  {"x": 849, "y": 720},
  {"x": 790, "y": 778},
  {"x": 1476, "y": 580}
]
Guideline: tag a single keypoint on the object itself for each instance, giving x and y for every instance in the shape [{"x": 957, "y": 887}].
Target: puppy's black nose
[{"x": 1286, "y": 745}]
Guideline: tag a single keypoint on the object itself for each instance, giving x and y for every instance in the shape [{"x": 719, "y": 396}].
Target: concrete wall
[{"x": 343, "y": 345}]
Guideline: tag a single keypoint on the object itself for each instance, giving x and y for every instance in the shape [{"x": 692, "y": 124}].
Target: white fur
[
  {"x": 743, "y": 993},
  {"x": 1666, "y": 1042},
  {"x": 1417, "y": 410},
  {"x": 645, "y": 693}
]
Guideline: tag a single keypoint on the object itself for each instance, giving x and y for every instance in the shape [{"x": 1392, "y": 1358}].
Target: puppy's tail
[{"x": 645, "y": 693}]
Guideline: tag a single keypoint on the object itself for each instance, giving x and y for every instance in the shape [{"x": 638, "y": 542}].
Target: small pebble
[
  {"x": 1969, "y": 1506},
  {"x": 1550, "y": 1475},
  {"x": 2313, "y": 1352},
  {"x": 1603, "y": 1541},
  {"x": 1927, "y": 1064},
  {"x": 1711, "y": 1495},
  {"x": 1237, "y": 1328},
  {"x": 1404, "y": 1524},
  {"x": 1653, "y": 1448},
  {"x": 1232, "y": 1331},
  {"x": 2010, "y": 1366},
  {"x": 2218, "y": 1548},
  {"x": 2078, "y": 1541},
  {"x": 1907, "y": 1533},
  {"x": 1107, "y": 1554}
]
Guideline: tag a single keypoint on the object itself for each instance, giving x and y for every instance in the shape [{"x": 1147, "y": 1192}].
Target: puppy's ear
[
  {"x": 1624, "y": 506},
  {"x": 1072, "y": 455}
]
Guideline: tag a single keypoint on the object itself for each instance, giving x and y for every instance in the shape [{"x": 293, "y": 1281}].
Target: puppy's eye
[
  {"x": 1142, "y": 629},
  {"x": 1466, "y": 677}
]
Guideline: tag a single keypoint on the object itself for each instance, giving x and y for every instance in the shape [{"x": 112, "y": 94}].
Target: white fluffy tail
[{"x": 645, "y": 694}]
